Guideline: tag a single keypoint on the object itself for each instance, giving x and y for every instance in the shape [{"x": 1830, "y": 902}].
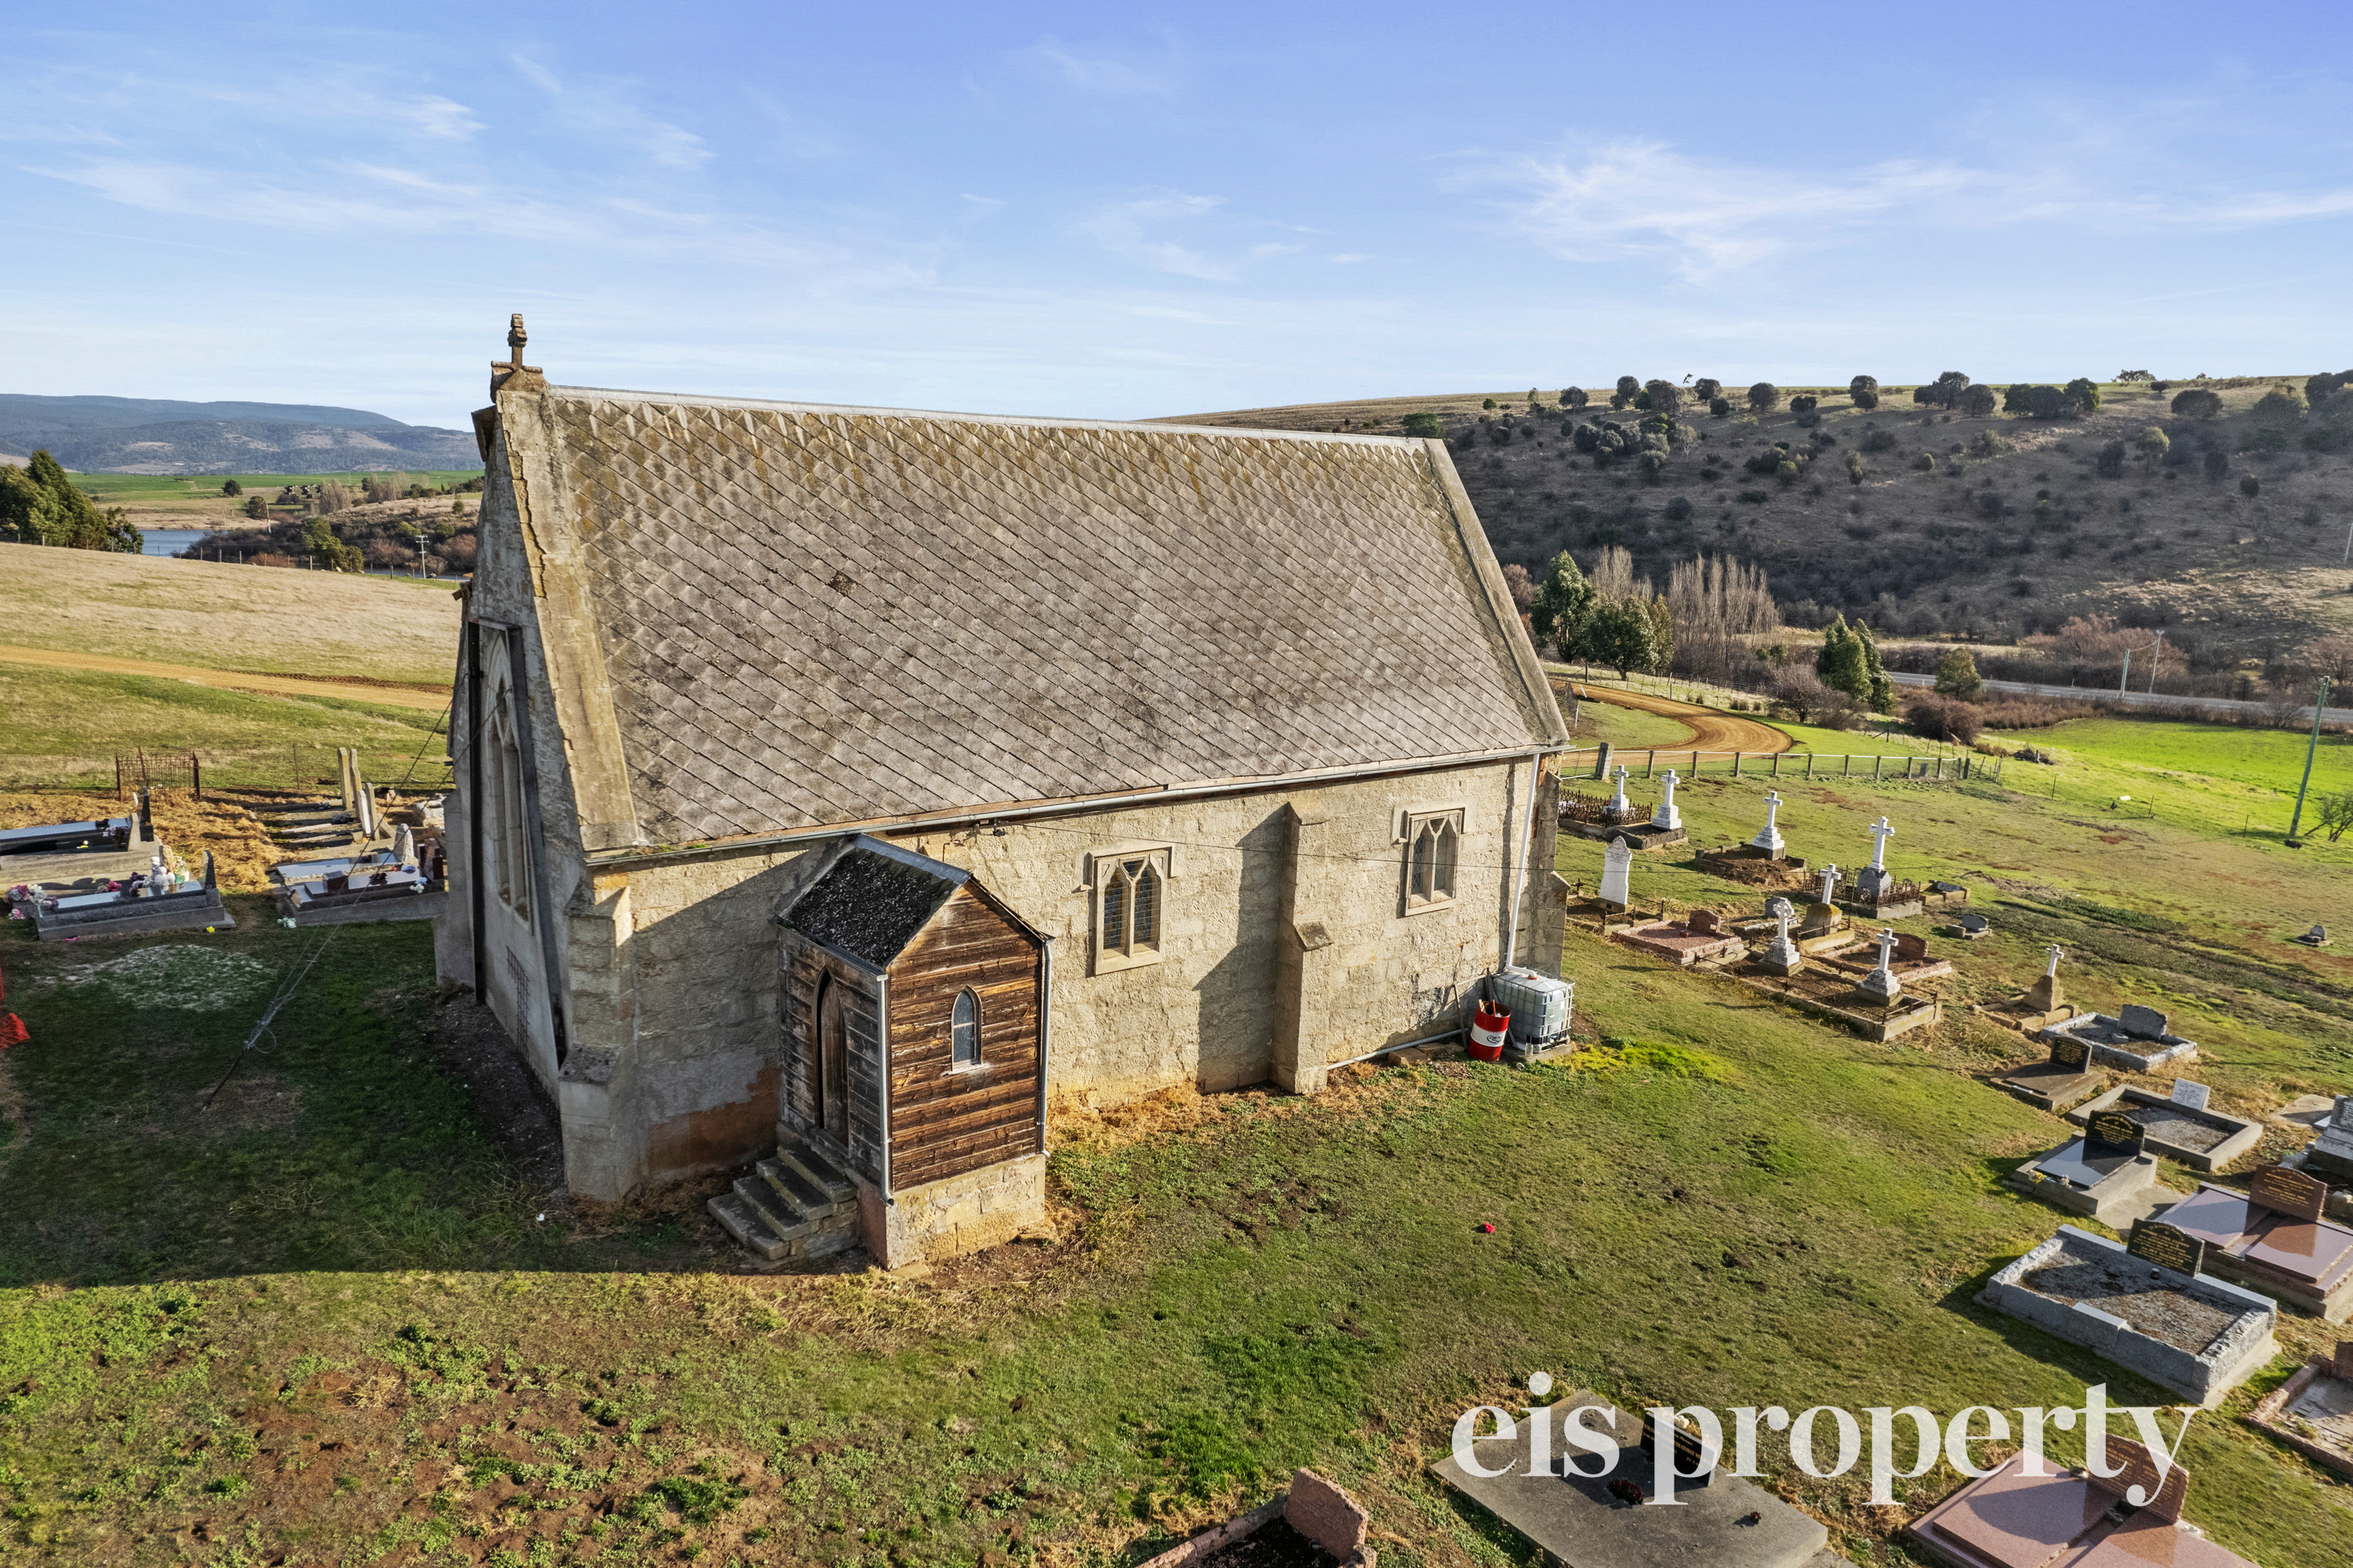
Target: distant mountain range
[{"x": 161, "y": 435}]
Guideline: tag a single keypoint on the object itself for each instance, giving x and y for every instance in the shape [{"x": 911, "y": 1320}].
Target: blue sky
[{"x": 1142, "y": 210}]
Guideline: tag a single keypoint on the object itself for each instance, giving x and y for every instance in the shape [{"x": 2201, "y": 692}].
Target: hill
[
  {"x": 2012, "y": 526},
  {"x": 156, "y": 435}
]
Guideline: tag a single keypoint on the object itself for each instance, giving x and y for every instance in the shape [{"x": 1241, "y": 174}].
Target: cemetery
[
  {"x": 1875, "y": 893},
  {"x": 1763, "y": 861},
  {"x": 2137, "y": 1040},
  {"x": 2331, "y": 1154},
  {"x": 2180, "y": 1126},
  {"x": 2145, "y": 1308},
  {"x": 2106, "y": 1173},
  {"x": 111, "y": 877},
  {"x": 2273, "y": 1237},
  {"x": 2040, "y": 1006},
  {"x": 1698, "y": 937},
  {"x": 1618, "y": 819},
  {"x": 1871, "y": 997},
  {"x": 2311, "y": 1412},
  {"x": 2073, "y": 1518}
]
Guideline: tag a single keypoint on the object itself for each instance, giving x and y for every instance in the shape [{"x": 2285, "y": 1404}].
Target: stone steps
[{"x": 797, "y": 1204}]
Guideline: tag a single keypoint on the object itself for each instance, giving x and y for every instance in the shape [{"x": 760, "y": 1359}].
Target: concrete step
[
  {"x": 784, "y": 1218},
  {"x": 798, "y": 1189},
  {"x": 819, "y": 1169},
  {"x": 749, "y": 1227}
]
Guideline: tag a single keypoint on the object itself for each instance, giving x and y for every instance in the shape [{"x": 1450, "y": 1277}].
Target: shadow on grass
[{"x": 375, "y": 1126}]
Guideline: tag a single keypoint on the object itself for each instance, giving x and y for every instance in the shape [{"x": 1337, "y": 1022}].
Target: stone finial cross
[
  {"x": 1618, "y": 799},
  {"x": 516, "y": 338},
  {"x": 1880, "y": 833},
  {"x": 2056, "y": 954},
  {"x": 1769, "y": 838},
  {"x": 1830, "y": 881},
  {"x": 511, "y": 372},
  {"x": 1781, "y": 918},
  {"x": 1772, "y": 808},
  {"x": 1886, "y": 940}
]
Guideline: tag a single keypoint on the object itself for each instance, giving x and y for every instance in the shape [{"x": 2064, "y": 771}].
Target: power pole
[
  {"x": 2124, "y": 680},
  {"x": 2319, "y": 705},
  {"x": 2156, "y": 652}
]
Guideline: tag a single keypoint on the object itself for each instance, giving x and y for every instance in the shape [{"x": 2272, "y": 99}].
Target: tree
[
  {"x": 257, "y": 507},
  {"x": 1854, "y": 467},
  {"x": 2279, "y": 410},
  {"x": 1487, "y": 403},
  {"x": 1662, "y": 633},
  {"x": 1941, "y": 718},
  {"x": 1622, "y": 634},
  {"x": 2134, "y": 375},
  {"x": 2251, "y": 487},
  {"x": 1563, "y": 604},
  {"x": 1707, "y": 389},
  {"x": 1573, "y": 398},
  {"x": 1667, "y": 397},
  {"x": 1944, "y": 391},
  {"x": 1804, "y": 403},
  {"x": 1977, "y": 402},
  {"x": 1880, "y": 691},
  {"x": 1720, "y": 407},
  {"x": 2086, "y": 393},
  {"x": 2336, "y": 812},
  {"x": 1522, "y": 586},
  {"x": 1628, "y": 388},
  {"x": 1956, "y": 675},
  {"x": 1862, "y": 385},
  {"x": 319, "y": 535},
  {"x": 231, "y": 487},
  {"x": 2153, "y": 444},
  {"x": 1425, "y": 425},
  {"x": 2111, "y": 461},
  {"x": 1838, "y": 663},
  {"x": 2197, "y": 403},
  {"x": 40, "y": 505},
  {"x": 1764, "y": 397}
]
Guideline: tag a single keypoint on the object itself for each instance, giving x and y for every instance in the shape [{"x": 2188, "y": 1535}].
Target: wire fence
[
  {"x": 298, "y": 770},
  {"x": 1649, "y": 762}
]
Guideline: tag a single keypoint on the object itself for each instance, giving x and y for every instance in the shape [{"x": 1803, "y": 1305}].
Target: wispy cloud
[
  {"x": 1165, "y": 230},
  {"x": 607, "y": 109},
  {"x": 1111, "y": 73},
  {"x": 1631, "y": 197}
]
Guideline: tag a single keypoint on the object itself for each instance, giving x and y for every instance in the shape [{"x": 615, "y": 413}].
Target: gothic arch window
[
  {"x": 1131, "y": 907},
  {"x": 964, "y": 1030},
  {"x": 1433, "y": 856}
]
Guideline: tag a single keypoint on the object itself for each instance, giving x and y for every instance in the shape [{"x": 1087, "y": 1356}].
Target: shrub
[
  {"x": 2281, "y": 409},
  {"x": 1720, "y": 407},
  {"x": 1925, "y": 463},
  {"x": 2111, "y": 461},
  {"x": 1764, "y": 397},
  {"x": 1754, "y": 497},
  {"x": 1977, "y": 402},
  {"x": 231, "y": 487},
  {"x": 2217, "y": 463},
  {"x": 1487, "y": 403},
  {"x": 1425, "y": 425},
  {"x": 1786, "y": 472},
  {"x": 1879, "y": 441},
  {"x": 2197, "y": 404},
  {"x": 2086, "y": 392},
  {"x": 2251, "y": 487},
  {"x": 1707, "y": 388},
  {"x": 2001, "y": 712},
  {"x": 1804, "y": 403},
  {"x": 1679, "y": 509},
  {"x": 257, "y": 507},
  {"x": 1942, "y": 718},
  {"x": 1573, "y": 397},
  {"x": 1989, "y": 505},
  {"x": 270, "y": 558},
  {"x": 1861, "y": 384},
  {"x": 1628, "y": 388},
  {"x": 1867, "y": 399},
  {"x": 1854, "y": 467}
]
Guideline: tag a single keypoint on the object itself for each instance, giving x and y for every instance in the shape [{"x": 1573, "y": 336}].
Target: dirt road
[
  {"x": 350, "y": 691},
  {"x": 1711, "y": 729}
]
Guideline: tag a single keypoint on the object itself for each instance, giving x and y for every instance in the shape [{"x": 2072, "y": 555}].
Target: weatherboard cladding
[
  {"x": 814, "y": 615},
  {"x": 870, "y": 906}
]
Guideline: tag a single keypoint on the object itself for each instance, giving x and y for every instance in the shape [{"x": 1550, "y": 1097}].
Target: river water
[{"x": 167, "y": 541}]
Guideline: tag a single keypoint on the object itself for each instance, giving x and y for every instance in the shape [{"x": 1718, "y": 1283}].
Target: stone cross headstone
[
  {"x": 1770, "y": 840},
  {"x": 1616, "y": 863},
  {"x": 1778, "y": 908},
  {"x": 2189, "y": 1096},
  {"x": 1830, "y": 881},
  {"x": 2167, "y": 1246},
  {"x": 1873, "y": 880},
  {"x": 1666, "y": 817},
  {"x": 1780, "y": 956},
  {"x": 1881, "y": 983},
  {"x": 2056, "y": 954},
  {"x": 2144, "y": 1023},
  {"x": 2046, "y": 996},
  {"x": 1880, "y": 833},
  {"x": 1619, "y": 805}
]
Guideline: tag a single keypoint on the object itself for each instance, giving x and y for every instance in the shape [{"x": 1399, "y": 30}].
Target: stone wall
[{"x": 956, "y": 1215}]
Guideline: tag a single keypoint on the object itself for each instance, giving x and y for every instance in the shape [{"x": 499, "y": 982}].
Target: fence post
[
  {"x": 1736, "y": 764},
  {"x": 1809, "y": 765},
  {"x": 1879, "y": 767},
  {"x": 1695, "y": 762},
  {"x": 195, "y": 777},
  {"x": 1651, "y": 763},
  {"x": 1847, "y": 771},
  {"x": 1776, "y": 765},
  {"x": 1601, "y": 761},
  {"x": 118, "y": 776}
]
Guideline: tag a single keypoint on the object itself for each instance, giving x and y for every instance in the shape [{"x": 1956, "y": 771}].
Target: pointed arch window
[
  {"x": 1433, "y": 856},
  {"x": 964, "y": 1030},
  {"x": 1131, "y": 907}
]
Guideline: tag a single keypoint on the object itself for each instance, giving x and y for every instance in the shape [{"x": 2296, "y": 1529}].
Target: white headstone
[
  {"x": 1769, "y": 840},
  {"x": 1880, "y": 833},
  {"x": 1617, "y": 862},
  {"x": 1666, "y": 816},
  {"x": 2189, "y": 1096},
  {"x": 404, "y": 846},
  {"x": 1619, "y": 805},
  {"x": 1882, "y": 983},
  {"x": 2056, "y": 954},
  {"x": 1830, "y": 881}
]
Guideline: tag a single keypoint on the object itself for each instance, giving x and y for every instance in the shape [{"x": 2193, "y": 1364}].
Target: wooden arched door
[{"x": 833, "y": 1058}]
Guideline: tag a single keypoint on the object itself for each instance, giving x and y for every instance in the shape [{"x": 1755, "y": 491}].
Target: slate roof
[
  {"x": 812, "y": 615},
  {"x": 872, "y": 899}
]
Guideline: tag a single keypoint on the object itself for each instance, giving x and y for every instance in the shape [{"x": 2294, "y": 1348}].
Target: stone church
[{"x": 857, "y": 785}]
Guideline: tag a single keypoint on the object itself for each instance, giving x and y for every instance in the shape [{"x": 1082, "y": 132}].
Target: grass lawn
[
  {"x": 153, "y": 496},
  {"x": 2215, "y": 763},
  {"x": 228, "y": 617},
  {"x": 57, "y": 726},
  {"x": 324, "y": 1322}
]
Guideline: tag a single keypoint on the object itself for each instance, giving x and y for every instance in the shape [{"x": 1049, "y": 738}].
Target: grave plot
[
  {"x": 2186, "y": 1331},
  {"x": 1872, "y": 1000},
  {"x": 2106, "y": 1174},
  {"x": 2040, "y": 1006},
  {"x": 2060, "y": 1082},
  {"x": 2072, "y": 1520},
  {"x": 1699, "y": 938},
  {"x": 2182, "y": 1129},
  {"x": 155, "y": 900},
  {"x": 2137, "y": 1041},
  {"x": 1601, "y": 1522},
  {"x": 1763, "y": 862},
  {"x": 2313, "y": 1411},
  {"x": 1877, "y": 894},
  {"x": 2331, "y": 1154},
  {"x": 2273, "y": 1238},
  {"x": 1970, "y": 927},
  {"x": 1618, "y": 821}
]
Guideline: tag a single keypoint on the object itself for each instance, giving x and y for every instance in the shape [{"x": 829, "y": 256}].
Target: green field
[
  {"x": 152, "y": 490},
  {"x": 64, "y": 726},
  {"x": 2205, "y": 755}
]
